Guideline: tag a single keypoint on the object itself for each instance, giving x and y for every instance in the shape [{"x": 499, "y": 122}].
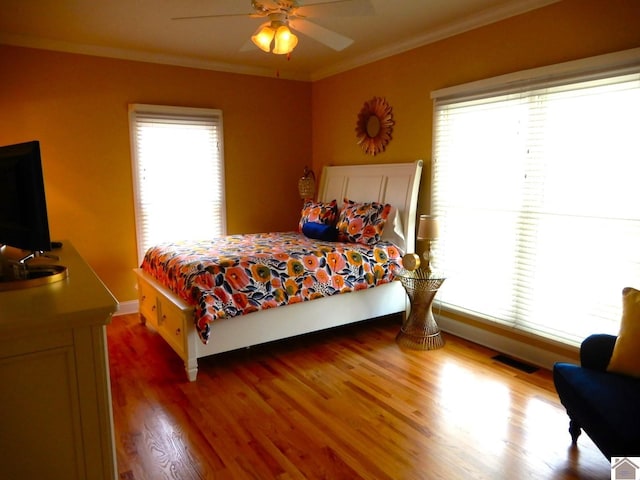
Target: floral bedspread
[{"x": 240, "y": 274}]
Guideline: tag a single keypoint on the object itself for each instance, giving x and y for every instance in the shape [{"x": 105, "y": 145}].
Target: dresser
[{"x": 55, "y": 398}]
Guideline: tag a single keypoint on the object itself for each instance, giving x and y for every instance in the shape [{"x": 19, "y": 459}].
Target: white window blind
[
  {"x": 178, "y": 174},
  {"x": 536, "y": 191}
]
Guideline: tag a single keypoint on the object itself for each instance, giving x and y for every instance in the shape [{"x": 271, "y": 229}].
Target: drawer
[
  {"x": 172, "y": 327},
  {"x": 148, "y": 303}
]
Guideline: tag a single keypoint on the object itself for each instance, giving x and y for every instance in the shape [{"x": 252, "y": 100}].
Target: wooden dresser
[{"x": 55, "y": 397}]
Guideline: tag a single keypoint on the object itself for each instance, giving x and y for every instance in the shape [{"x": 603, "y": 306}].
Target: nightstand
[{"x": 420, "y": 331}]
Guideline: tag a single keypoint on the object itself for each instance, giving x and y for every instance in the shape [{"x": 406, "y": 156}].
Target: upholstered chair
[
  {"x": 605, "y": 405},
  {"x": 602, "y": 394}
]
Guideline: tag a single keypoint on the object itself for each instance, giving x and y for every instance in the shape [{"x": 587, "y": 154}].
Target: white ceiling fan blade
[
  {"x": 336, "y": 8},
  {"x": 328, "y": 37},
  {"x": 193, "y": 17},
  {"x": 253, "y": 14},
  {"x": 248, "y": 46}
]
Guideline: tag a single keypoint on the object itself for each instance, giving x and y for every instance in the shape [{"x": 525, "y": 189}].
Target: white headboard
[{"x": 393, "y": 183}]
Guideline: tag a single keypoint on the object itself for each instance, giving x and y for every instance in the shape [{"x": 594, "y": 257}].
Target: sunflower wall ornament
[{"x": 374, "y": 126}]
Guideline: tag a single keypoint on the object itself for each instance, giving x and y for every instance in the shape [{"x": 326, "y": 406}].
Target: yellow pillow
[{"x": 626, "y": 352}]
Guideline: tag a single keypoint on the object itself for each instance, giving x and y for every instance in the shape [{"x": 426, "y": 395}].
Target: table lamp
[
  {"x": 419, "y": 330},
  {"x": 427, "y": 230}
]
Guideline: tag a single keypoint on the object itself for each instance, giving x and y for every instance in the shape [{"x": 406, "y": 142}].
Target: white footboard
[{"x": 173, "y": 319}]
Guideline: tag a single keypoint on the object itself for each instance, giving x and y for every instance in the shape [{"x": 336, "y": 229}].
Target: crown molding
[
  {"x": 463, "y": 25},
  {"x": 468, "y": 23},
  {"x": 144, "y": 56}
]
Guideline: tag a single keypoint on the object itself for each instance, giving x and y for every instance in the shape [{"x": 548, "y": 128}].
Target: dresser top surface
[{"x": 79, "y": 299}]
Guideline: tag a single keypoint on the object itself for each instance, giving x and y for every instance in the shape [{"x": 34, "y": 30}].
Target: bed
[{"x": 174, "y": 316}]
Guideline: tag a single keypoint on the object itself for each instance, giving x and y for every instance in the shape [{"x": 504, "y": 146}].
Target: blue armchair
[{"x": 605, "y": 405}]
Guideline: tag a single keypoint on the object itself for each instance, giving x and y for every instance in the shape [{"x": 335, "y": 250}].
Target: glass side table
[{"x": 420, "y": 331}]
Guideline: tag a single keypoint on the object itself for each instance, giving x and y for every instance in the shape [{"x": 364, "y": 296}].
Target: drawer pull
[{"x": 178, "y": 331}]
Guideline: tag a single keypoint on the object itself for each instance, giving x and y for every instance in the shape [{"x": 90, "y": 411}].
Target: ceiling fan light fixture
[
  {"x": 285, "y": 41},
  {"x": 263, "y": 37}
]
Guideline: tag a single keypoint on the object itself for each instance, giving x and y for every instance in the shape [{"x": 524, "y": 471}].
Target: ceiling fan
[{"x": 275, "y": 36}]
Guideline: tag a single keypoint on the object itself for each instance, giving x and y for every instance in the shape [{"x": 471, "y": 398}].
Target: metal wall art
[{"x": 374, "y": 126}]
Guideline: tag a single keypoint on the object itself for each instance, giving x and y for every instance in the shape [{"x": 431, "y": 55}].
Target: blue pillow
[{"x": 320, "y": 231}]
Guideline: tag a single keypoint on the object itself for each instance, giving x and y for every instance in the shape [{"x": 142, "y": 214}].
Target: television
[{"x": 23, "y": 208}]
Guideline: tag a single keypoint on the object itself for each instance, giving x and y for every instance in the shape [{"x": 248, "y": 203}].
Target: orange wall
[
  {"x": 568, "y": 30},
  {"x": 77, "y": 107}
]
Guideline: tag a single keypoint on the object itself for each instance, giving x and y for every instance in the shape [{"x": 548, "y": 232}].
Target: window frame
[
  {"x": 179, "y": 114},
  {"x": 594, "y": 68}
]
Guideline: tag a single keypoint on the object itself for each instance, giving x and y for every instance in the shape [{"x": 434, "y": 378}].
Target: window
[
  {"x": 178, "y": 174},
  {"x": 536, "y": 189}
]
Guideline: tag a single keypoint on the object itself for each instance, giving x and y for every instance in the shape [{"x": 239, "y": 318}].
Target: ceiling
[{"x": 147, "y": 30}]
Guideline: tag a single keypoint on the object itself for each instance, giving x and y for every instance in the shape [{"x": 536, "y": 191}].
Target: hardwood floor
[{"x": 344, "y": 404}]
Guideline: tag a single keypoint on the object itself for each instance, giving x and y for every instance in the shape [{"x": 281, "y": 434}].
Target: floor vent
[{"x": 525, "y": 367}]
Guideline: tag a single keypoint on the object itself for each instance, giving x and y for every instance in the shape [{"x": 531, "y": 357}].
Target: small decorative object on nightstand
[
  {"x": 307, "y": 184},
  {"x": 420, "y": 330}
]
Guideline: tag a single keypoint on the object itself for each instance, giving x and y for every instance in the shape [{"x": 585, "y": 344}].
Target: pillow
[
  {"x": 320, "y": 231},
  {"x": 362, "y": 222},
  {"x": 393, "y": 231},
  {"x": 318, "y": 212},
  {"x": 626, "y": 352}
]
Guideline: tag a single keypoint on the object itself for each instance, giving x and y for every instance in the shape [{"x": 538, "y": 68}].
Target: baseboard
[
  {"x": 126, "y": 308},
  {"x": 529, "y": 353},
  {"x": 518, "y": 349}
]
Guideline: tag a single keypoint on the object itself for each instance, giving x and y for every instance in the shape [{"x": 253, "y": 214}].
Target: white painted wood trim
[
  {"x": 127, "y": 308},
  {"x": 517, "y": 349},
  {"x": 590, "y": 68},
  {"x": 397, "y": 184}
]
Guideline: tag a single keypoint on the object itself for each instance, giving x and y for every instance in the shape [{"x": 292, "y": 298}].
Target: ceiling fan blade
[
  {"x": 222, "y": 15},
  {"x": 328, "y": 37},
  {"x": 336, "y": 8},
  {"x": 248, "y": 46}
]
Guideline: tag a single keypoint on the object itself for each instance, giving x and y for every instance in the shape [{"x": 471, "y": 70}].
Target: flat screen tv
[{"x": 23, "y": 208}]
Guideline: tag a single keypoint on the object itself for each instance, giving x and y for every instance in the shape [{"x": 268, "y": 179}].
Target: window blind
[
  {"x": 178, "y": 174},
  {"x": 538, "y": 204}
]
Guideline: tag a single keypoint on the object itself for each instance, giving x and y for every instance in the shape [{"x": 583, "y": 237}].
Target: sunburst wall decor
[{"x": 374, "y": 125}]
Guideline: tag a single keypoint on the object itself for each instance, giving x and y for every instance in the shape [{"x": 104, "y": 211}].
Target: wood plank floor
[{"x": 344, "y": 404}]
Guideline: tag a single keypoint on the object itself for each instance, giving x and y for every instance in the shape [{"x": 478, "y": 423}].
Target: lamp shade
[
  {"x": 427, "y": 228},
  {"x": 263, "y": 37},
  {"x": 285, "y": 41}
]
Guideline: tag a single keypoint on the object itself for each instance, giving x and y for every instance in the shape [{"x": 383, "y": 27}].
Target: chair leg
[{"x": 574, "y": 430}]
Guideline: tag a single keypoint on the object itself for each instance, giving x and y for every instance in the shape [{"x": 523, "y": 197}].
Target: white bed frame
[{"x": 396, "y": 184}]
